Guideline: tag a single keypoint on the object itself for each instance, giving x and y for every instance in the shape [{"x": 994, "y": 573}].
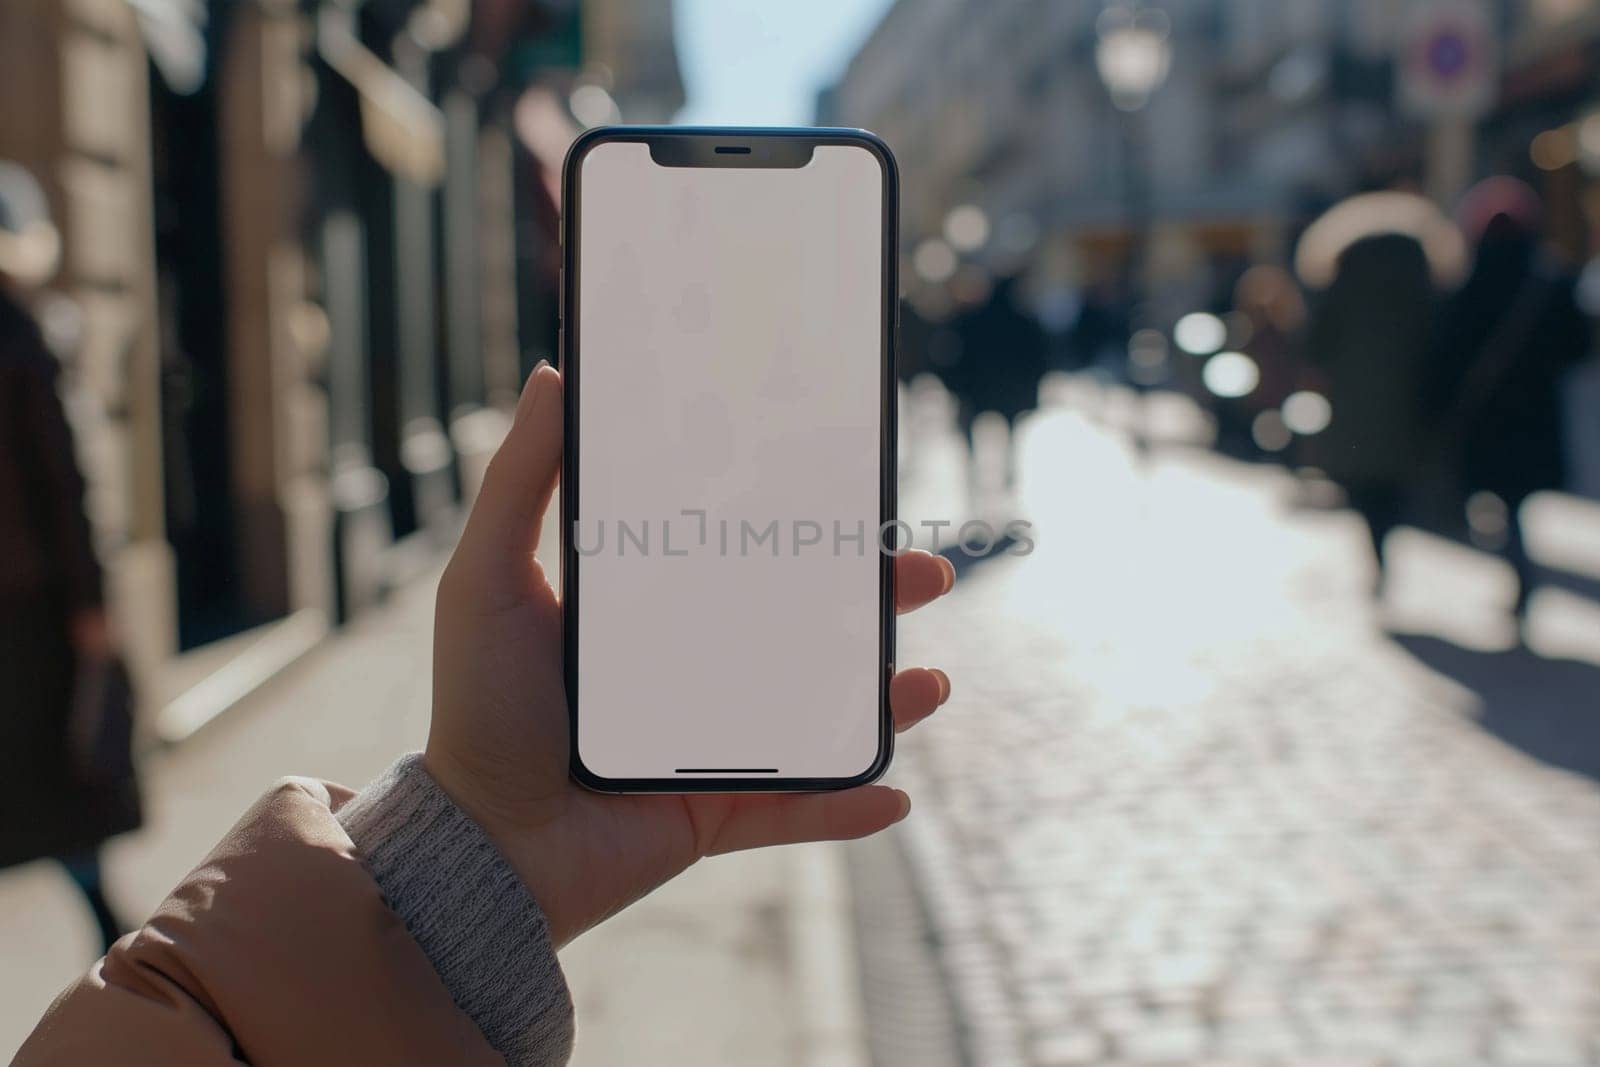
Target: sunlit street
[{"x": 1200, "y": 801}]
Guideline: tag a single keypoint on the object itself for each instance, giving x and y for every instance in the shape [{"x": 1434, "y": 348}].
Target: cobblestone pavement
[{"x": 1190, "y": 804}]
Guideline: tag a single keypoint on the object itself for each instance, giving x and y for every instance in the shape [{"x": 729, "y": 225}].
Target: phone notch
[{"x": 771, "y": 152}]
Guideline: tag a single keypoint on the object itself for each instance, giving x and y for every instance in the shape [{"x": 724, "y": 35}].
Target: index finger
[{"x": 919, "y": 578}]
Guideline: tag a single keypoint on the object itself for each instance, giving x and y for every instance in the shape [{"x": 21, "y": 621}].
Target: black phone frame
[{"x": 696, "y": 146}]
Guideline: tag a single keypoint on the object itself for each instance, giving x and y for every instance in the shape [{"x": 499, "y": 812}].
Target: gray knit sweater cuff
[{"x": 469, "y": 911}]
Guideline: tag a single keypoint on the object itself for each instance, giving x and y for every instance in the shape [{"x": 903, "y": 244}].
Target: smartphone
[{"x": 728, "y": 315}]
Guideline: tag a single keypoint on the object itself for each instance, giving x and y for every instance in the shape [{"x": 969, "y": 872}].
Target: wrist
[
  {"x": 524, "y": 833},
  {"x": 467, "y": 908}
]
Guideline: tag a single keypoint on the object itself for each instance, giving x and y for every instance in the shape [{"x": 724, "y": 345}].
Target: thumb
[{"x": 520, "y": 479}]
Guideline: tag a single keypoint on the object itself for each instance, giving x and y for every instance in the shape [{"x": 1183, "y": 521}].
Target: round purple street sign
[{"x": 1448, "y": 54}]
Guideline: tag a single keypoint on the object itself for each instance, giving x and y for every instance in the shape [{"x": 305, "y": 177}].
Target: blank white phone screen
[{"x": 729, "y": 356}]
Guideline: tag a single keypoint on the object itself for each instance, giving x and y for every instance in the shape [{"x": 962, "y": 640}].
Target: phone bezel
[{"x": 697, "y": 144}]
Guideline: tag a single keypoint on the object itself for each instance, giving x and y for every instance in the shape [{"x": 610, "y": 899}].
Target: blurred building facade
[
  {"x": 630, "y": 44},
  {"x": 1270, "y": 110},
  {"x": 292, "y": 295}
]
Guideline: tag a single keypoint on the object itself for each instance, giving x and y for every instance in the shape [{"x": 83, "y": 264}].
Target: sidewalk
[
  {"x": 722, "y": 966},
  {"x": 1192, "y": 804}
]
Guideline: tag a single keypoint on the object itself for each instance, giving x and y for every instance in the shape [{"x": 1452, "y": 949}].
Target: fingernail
[
  {"x": 530, "y": 390},
  {"x": 949, "y": 570},
  {"x": 944, "y": 684},
  {"x": 905, "y": 807}
]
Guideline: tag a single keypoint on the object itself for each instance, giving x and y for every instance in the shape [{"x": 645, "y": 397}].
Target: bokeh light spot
[
  {"x": 1307, "y": 413},
  {"x": 934, "y": 261},
  {"x": 1231, "y": 375},
  {"x": 1200, "y": 333},
  {"x": 966, "y": 228},
  {"x": 1269, "y": 432}
]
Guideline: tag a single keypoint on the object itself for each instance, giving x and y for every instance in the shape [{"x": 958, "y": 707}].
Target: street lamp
[{"x": 1133, "y": 54}]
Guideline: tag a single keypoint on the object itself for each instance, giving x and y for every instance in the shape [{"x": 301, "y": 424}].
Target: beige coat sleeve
[{"x": 277, "y": 949}]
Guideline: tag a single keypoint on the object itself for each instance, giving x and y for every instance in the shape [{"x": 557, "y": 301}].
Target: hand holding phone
[{"x": 499, "y": 739}]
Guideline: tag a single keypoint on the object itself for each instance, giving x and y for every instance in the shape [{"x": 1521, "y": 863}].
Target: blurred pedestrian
[
  {"x": 1510, "y": 335},
  {"x": 417, "y": 922},
  {"x": 1370, "y": 334},
  {"x": 55, "y": 798},
  {"x": 1270, "y": 301},
  {"x": 998, "y": 364},
  {"x": 1098, "y": 337},
  {"x": 1268, "y": 327}
]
